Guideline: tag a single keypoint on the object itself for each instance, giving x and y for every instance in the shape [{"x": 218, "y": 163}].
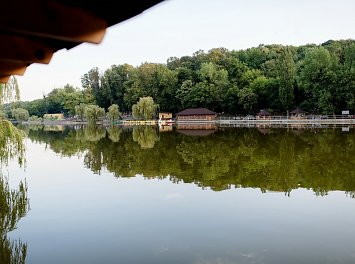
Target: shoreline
[{"x": 201, "y": 122}]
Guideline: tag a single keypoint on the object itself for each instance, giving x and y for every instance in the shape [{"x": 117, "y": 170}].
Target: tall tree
[
  {"x": 216, "y": 82},
  {"x": 316, "y": 77},
  {"x": 248, "y": 100},
  {"x": 91, "y": 81},
  {"x": 286, "y": 68},
  {"x": 118, "y": 79}
]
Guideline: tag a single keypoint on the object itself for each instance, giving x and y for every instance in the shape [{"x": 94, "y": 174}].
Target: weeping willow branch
[
  {"x": 13, "y": 252},
  {"x": 14, "y": 204},
  {"x": 11, "y": 143},
  {"x": 11, "y": 138},
  {"x": 10, "y": 91}
]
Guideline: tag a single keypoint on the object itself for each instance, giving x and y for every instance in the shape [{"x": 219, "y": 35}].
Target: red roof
[{"x": 196, "y": 111}]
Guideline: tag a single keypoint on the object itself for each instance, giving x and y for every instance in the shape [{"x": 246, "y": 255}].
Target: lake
[{"x": 169, "y": 195}]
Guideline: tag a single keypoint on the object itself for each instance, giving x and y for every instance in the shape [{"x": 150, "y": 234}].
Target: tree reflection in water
[
  {"x": 14, "y": 204},
  {"x": 145, "y": 136},
  {"x": 114, "y": 133},
  {"x": 280, "y": 160}
]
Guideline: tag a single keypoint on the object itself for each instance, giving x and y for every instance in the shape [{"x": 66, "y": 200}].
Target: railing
[
  {"x": 286, "y": 120},
  {"x": 307, "y": 117}
]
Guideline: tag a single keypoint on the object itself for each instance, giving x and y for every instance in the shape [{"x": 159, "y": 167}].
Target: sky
[{"x": 176, "y": 28}]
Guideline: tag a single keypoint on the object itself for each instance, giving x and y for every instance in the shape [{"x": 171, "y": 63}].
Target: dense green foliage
[
  {"x": 268, "y": 159},
  {"x": 59, "y": 100},
  {"x": 318, "y": 78}
]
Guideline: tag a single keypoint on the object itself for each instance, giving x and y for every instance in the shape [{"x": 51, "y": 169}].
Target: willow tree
[
  {"x": 114, "y": 113},
  {"x": 80, "y": 111},
  {"x": 10, "y": 91},
  {"x": 20, "y": 114},
  {"x": 11, "y": 143},
  {"x": 145, "y": 108},
  {"x": 14, "y": 204},
  {"x": 93, "y": 112}
]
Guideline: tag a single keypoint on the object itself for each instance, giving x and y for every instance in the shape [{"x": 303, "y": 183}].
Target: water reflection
[
  {"x": 14, "y": 204},
  {"x": 91, "y": 133},
  {"x": 145, "y": 136},
  {"x": 275, "y": 159},
  {"x": 114, "y": 133}
]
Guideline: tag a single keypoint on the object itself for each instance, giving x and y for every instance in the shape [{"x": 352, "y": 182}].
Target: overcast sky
[{"x": 181, "y": 27}]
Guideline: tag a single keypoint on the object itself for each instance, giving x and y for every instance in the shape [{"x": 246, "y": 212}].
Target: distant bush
[
  {"x": 35, "y": 118},
  {"x": 20, "y": 114}
]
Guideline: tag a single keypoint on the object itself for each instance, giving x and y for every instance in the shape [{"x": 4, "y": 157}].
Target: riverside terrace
[
  {"x": 219, "y": 120},
  {"x": 203, "y": 115}
]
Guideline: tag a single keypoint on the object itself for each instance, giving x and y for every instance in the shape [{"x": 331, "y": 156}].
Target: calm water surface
[{"x": 137, "y": 195}]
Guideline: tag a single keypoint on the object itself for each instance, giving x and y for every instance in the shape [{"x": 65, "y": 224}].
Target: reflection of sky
[{"x": 79, "y": 217}]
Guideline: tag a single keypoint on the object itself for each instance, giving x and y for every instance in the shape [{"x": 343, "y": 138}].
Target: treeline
[{"x": 318, "y": 78}]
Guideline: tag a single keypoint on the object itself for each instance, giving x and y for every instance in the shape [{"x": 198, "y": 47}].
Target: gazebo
[
  {"x": 263, "y": 114},
  {"x": 298, "y": 112}
]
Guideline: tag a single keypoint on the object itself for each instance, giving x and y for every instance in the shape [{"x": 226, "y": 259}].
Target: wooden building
[
  {"x": 196, "y": 114},
  {"x": 54, "y": 116},
  {"x": 165, "y": 116}
]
